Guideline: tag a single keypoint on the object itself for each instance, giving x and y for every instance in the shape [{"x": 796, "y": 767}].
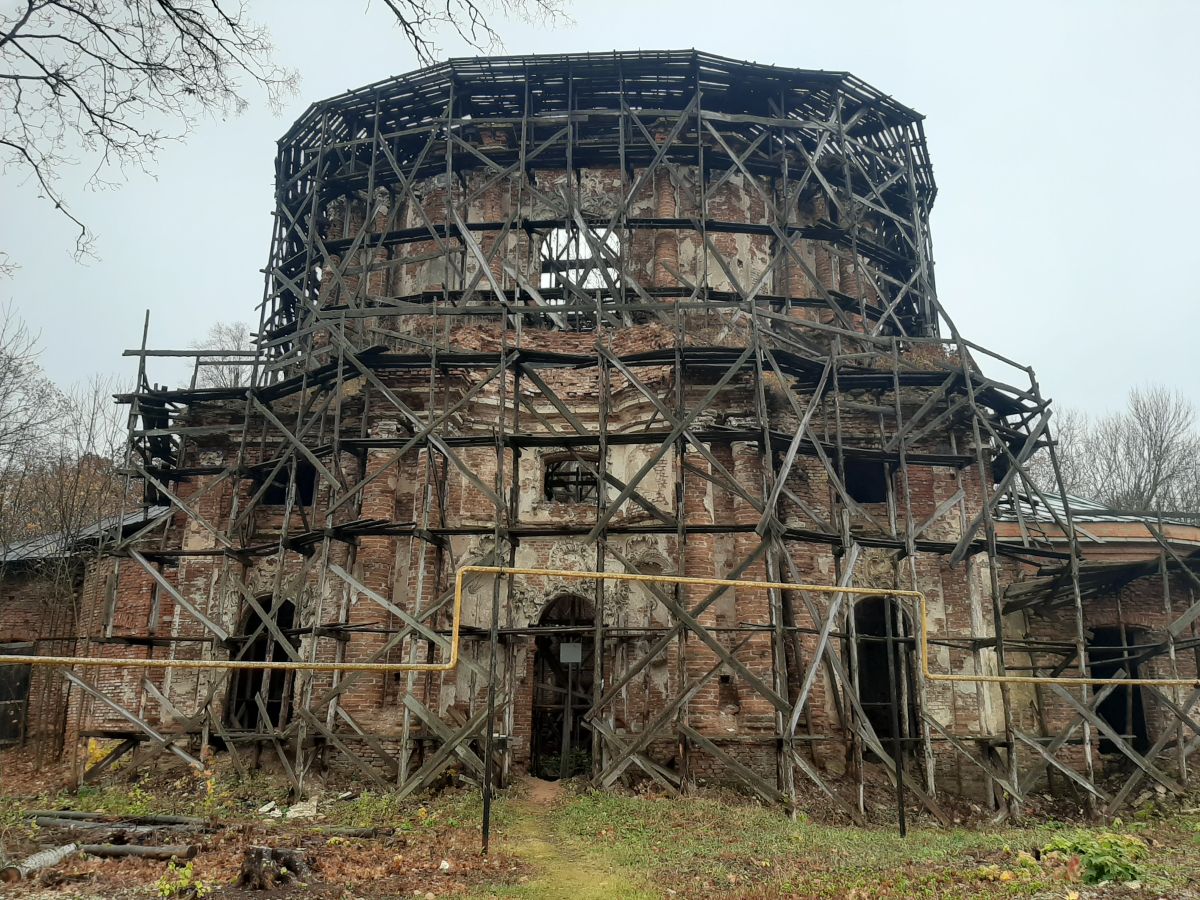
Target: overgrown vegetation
[
  {"x": 1102, "y": 855},
  {"x": 639, "y": 846},
  {"x": 14, "y": 827},
  {"x": 225, "y": 795}
]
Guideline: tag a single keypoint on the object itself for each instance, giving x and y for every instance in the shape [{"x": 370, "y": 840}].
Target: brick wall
[{"x": 37, "y": 617}]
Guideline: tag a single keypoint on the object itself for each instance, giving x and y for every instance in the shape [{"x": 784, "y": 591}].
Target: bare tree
[
  {"x": 59, "y": 450},
  {"x": 68, "y": 478},
  {"x": 1144, "y": 457},
  {"x": 224, "y": 372},
  {"x": 117, "y": 79},
  {"x": 59, "y": 494},
  {"x": 1068, "y": 428},
  {"x": 28, "y": 400}
]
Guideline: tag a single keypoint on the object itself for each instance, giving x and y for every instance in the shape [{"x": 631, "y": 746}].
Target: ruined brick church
[{"x": 657, "y": 313}]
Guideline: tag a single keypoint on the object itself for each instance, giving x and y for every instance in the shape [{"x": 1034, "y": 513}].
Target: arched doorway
[
  {"x": 243, "y": 712},
  {"x": 1110, "y": 649},
  {"x": 562, "y": 689},
  {"x": 879, "y": 691}
]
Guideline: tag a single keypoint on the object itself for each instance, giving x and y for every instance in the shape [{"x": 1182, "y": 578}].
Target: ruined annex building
[{"x": 658, "y": 313}]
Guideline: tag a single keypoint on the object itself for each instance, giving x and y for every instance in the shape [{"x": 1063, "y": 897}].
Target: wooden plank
[
  {"x": 435, "y": 764},
  {"x": 200, "y": 617},
  {"x": 680, "y": 428},
  {"x": 443, "y": 731},
  {"x": 361, "y": 764},
  {"x": 761, "y": 786},
  {"x": 1028, "y": 780},
  {"x": 426, "y": 633},
  {"x": 970, "y": 756},
  {"x": 265, "y": 411},
  {"x": 370, "y": 740},
  {"x": 1138, "y": 775},
  {"x": 669, "y": 780},
  {"x": 811, "y": 773},
  {"x": 1036, "y": 745},
  {"x": 1118, "y": 741},
  {"x": 656, "y": 727},
  {"x": 827, "y": 626},
  {"x": 133, "y": 720},
  {"x": 98, "y": 769}
]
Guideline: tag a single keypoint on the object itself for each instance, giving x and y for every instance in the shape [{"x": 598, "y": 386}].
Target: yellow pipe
[
  {"x": 287, "y": 666},
  {"x": 833, "y": 589},
  {"x": 452, "y": 662}
]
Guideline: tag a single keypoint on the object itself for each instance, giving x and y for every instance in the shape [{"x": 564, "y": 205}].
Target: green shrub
[
  {"x": 1103, "y": 855},
  {"x": 181, "y": 883}
]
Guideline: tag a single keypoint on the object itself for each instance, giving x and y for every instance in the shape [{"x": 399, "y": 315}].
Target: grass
[
  {"x": 593, "y": 844},
  {"x": 448, "y": 809},
  {"x": 702, "y": 847}
]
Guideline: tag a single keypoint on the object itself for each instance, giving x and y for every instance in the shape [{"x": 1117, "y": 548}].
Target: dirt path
[{"x": 561, "y": 872}]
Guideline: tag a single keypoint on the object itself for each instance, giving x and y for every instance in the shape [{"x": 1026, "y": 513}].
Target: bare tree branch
[
  {"x": 29, "y": 403},
  {"x": 470, "y": 20},
  {"x": 115, "y": 80},
  {"x": 118, "y": 79}
]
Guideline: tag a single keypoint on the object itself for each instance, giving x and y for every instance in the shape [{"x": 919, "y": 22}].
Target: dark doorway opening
[
  {"x": 1123, "y": 709},
  {"x": 246, "y": 685},
  {"x": 877, "y": 691},
  {"x": 14, "y": 694},
  {"x": 562, "y": 690}
]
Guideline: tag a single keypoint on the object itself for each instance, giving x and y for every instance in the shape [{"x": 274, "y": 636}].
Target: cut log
[
  {"x": 81, "y": 825},
  {"x": 165, "y": 851},
  {"x": 265, "y": 868},
  {"x": 43, "y": 859},
  {"x": 83, "y": 816},
  {"x": 347, "y": 831}
]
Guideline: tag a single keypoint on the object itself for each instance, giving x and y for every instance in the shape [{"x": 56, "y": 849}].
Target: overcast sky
[{"x": 1064, "y": 139}]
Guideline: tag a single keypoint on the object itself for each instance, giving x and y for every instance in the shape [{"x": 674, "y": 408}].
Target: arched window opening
[
  {"x": 562, "y": 690},
  {"x": 577, "y": 271},
  {"x": 1124, "y": 709},
  {"x": 879, "y": 691},
  {"x": 247, "y": 687}
]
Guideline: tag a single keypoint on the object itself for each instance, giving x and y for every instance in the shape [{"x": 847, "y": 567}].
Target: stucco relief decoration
[
  {"x": 261, "y": 584},
  {"x": 531, "y": 595},
  {"x": 875, "y": 569},
  {"x": 261, "y": 579}
]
